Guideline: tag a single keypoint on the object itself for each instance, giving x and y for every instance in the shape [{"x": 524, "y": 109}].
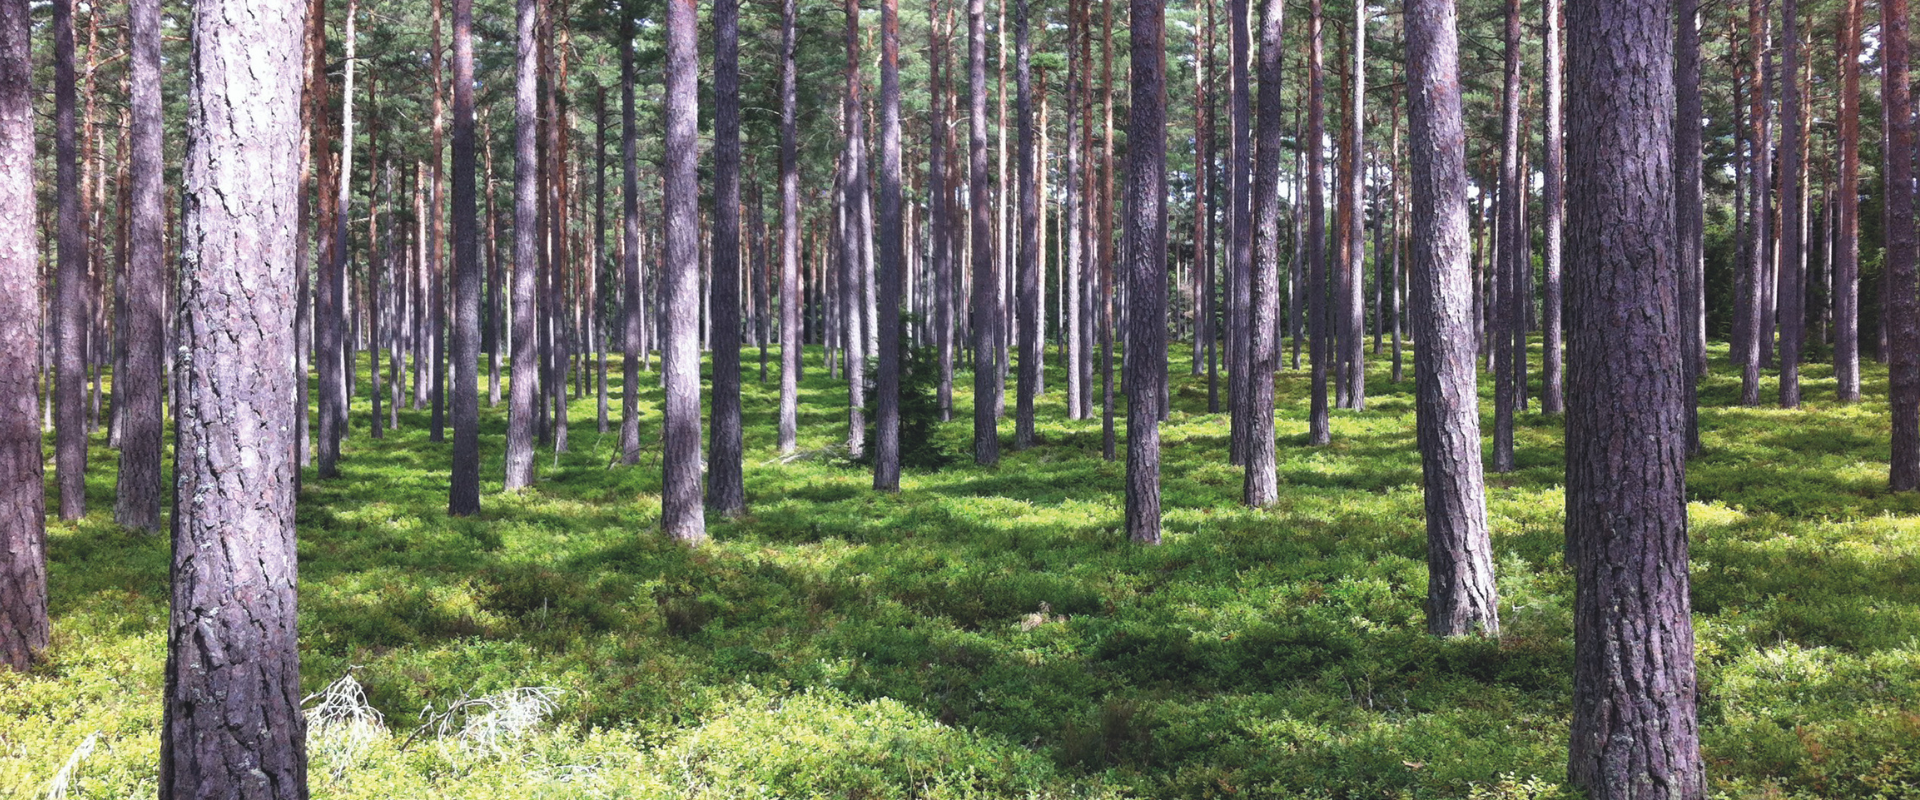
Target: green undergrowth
[{"x": 988, "y": 632}]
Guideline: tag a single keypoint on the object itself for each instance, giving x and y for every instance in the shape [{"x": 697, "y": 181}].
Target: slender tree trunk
[
  {"x": 1319, "y": 426},
  {"x": 893, "y": 263},
  {"x": 1846, "y": 261},
  {"x": 1353, "y": 336},
  {"x": 937, "y": 209},
  {"x": 1760, "y": 218},
  {"x": 1461, "y": 599},
  {"x": 790, "y": 289},
  {"x": 1689, "y": 218},
  {"x": 464, "y": 497},
  {"x": 1240, "y": 369},
  {"x": 726, "y": 487},
  {"x": 1635, "y": 730},
  {"x": 526, "y": 250},
  {"x": 436, "y": 293},
  {"x": 633, "y": 341},
  {"x": 232, "y": 725},
  {"x": 986, "y": 319},
  {"x": 1507, "y": 324},
  {"x": 1553, "y": 210},
  {"x": 853, "y": 204},
  {"x": 1262, "y": 482},
  {"x": 137, "y": 388},
  {"x": 1026, "y": 257},
  {"x": 681, "y": 515},
  {"x": 1146, "y": 231},
  {"x": 1792, "y": 233},
  {"x": 70, "y": 303},
  {"x": 24, "y": 626},
  {"x": 1106, "y": 236},
  {"x": 1902, "y": 321}
]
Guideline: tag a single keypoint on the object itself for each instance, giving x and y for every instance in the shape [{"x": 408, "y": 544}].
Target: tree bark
[
  {"x": 1788, "y": 291},
  {"x": 1026, "y": 258},
  {"x": 232, "y": 725},
  {"x": 1760, "y": 218},
  {"x": 464, "y": 492},
  {"x": 1146, "y": 232},
  {"x": 1846, "y": 261},
  {"x": 1353, "y": 334},
  {"x": 1635, "y": 732},
  {"x": 1262, "y": 485},
  {"x": 526, "y": 250},
  {"x": 24, "y": 628},
  {"x": 681, "y": 515},
  {"x": 138, "y": 494},
  {"x": 70, "y": 302},
  {"x": 1461, "y": 598},
  {"x": 1553, "y": 211},
  {"x": 1903, "y": 292},
  {"x": 1689, "y": 216},
  {"x": 853, "y": 238},
  {"x": 986, "y": 317},
  {"x": 1319, "y": 426},
  {"x": 1507, "y": 324},
  {"x": 893, "y": 263},
  {"x": 726, "y": 487},
  {"x": 790, "y": 289}
]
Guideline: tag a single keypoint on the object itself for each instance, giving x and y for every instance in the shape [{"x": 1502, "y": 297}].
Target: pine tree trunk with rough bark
[
  {"x": 986, "y": 317},
  {"x": 1846, "y": 257},
  {"x": 1635, "y": 729},
  {"x": 232, "y": 725},
  {"x": 1262, "y": 485},
  {"x": 1903, "y": 292},
  {"x": 681, "y": 514},
  {"x": 464, "y": 486},
  {"x": 1145, "y": 256},
  {"x": 70, "y": 298},
  {"x": 893, "y": 261},
  {"x": 726, "y": 487},
  {"x": 24, "y": 626},
  {"x": 526, "y": 250},
  {"x": 1319, "y": 426},
  {"x": 137, "y": 392},
  {"x": 790, "y": 289}
]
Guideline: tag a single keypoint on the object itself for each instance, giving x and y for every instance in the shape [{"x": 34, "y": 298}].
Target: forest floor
[{"x": 991, "y": 633}]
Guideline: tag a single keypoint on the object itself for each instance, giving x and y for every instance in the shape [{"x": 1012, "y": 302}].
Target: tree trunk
[
  {"x": 137, "y": 392},
  {"x": 1461, "y": 598},
  {"x": 681, "y": 515},
  {"x": 1146, "y": 232},
  {"x": 1846, "y": 261},
  {"x": 70, "y": 303},
  {"x": 1106, "y": 301},
  {"x": 526, "y": 250},
  {"x": 1507, "y": 325},
  {"x": 24, "y": 628},
  {"x": 1026, "y": 257},
  {"x": 232, "y": 725},
  {"x": 790, "y": 321},
  {"x": 1902, "y": 320},
  {"x": 1319, "y": 426},
  {"x": 937, "y": 211},
  {"x": 464, "y": 497},
  {"x": 726, "y": 487},
  {"x": 1689, "y": 217},
  {"x": 436, "y": 293},
  {"x": 1240, "y": 370},
  {"x": 1262, "y": 486},
  {"x": 1354, "y": 334},
  {"x": 1553, "y": 209},
  {"x": 986, "y": 319},
  {"x": 853, "y": 237},
  {"x": 893, "y": 263},
  {"x": 1635, "y": 732}
]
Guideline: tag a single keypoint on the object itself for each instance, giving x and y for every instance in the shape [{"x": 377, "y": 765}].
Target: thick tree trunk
[
  {"x": 1788, "y": 291},
  {"x": 1635, "y": 731},
  {"x": 1319, "y": 426},
  {"x": 726, "y": 487},
  {"x": 1461, "y": 599},
  {"x": 138, "y": 494},
  {"x": 1146, "y": 244},
  {"x": 70, "y": 301},
  {"x": 986, "y": 317},
  {"x": 526, "y": 250},
  {"x": 1903, "y": 303},
  {"x": 1262, "y": 486},
  {"x": 893, "y": 262},
  {"x": 232, "y": 725},
  {"x": 1846, "y": 256},
  {"x": 24, "y": 628},
  {"x": 464, "y": 492},
  {"x": 681, "y": 515}
]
